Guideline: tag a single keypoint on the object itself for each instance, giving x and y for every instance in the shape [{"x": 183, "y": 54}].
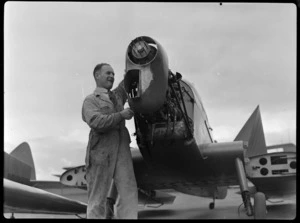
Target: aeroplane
[
  {"x": 176, "y": 147},
  {"x": 271, "y": 169},
  {"x": 273, "y": 174},
  {"x": 24, "y": 194}
]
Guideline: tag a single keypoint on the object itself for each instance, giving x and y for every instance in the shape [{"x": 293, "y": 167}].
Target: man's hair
[{"x": 98, "y": 67}]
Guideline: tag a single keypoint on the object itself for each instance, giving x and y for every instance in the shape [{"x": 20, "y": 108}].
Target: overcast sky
[{"x": 237, "y": 56}]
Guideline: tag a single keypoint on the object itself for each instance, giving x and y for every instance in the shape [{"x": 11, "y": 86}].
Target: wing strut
[{"x": 244, "y": 186}]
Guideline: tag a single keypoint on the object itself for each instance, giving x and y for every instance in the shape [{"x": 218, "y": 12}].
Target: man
[{"x": 108, "y": 154}]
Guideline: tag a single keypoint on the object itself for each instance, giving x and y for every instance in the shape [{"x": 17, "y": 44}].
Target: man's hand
[{"x": 127, "y": 113}]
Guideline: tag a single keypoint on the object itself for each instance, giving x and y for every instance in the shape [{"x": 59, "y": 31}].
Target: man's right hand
[{"x": 127, "y": 113}]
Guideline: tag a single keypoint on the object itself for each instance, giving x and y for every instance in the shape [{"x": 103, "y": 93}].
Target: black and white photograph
[{"x": 149, "y": 110}]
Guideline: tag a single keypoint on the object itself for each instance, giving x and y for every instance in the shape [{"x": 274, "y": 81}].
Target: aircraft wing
[
  {"x": 76, "y": 178},
  {"x": 25, "y": 199},
  {"x": 273, "y": 173}
]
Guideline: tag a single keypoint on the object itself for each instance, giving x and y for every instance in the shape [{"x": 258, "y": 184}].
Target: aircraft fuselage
[{"x": 172, "y": 129}]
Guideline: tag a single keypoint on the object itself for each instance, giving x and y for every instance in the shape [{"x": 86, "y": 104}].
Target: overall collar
[
  {"x": 102, "y": 93},
  {"x": 100, "y": 90}
]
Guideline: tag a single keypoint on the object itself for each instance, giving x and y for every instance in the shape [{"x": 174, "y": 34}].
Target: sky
[{"x": 237, "y": 55}]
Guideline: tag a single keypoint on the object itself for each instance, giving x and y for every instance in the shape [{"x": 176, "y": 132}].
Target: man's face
[{"x": 105, "y": 77}]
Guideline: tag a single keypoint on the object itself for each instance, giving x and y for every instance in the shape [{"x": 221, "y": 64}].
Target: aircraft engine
[{"x": 146, "y": 77}]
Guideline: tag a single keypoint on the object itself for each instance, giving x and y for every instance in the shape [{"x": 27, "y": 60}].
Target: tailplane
[
  {"x": 253, "y": 132},
  {"x": 23, "y": 153}
]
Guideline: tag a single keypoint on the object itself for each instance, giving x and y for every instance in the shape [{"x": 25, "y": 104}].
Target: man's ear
[{"x": 97, "y": 75}]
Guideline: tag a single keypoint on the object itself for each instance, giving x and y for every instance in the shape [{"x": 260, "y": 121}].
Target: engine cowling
[{"x": 146, "y": 78}]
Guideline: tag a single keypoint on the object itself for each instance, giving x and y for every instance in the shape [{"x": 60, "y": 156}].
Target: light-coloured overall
[{"x": 108, "y": 155}]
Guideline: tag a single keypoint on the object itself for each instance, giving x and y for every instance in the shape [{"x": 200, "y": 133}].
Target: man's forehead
[{"x": 106, "y": 68}]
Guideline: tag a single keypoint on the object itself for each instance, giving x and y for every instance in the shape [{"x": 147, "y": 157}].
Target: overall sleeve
[
  {"x": 95, "y": 118},
  {"x": 120, "y": 90}
]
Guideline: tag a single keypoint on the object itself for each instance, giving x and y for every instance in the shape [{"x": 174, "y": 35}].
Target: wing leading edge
[{"x": 25, "y": 199}]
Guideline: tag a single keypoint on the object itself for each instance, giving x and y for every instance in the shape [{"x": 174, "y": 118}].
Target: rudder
[
  {"x": 23, "y": 153},
  {"x": 253, "y": 132}
]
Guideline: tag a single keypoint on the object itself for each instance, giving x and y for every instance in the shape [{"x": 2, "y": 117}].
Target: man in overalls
[{"x": 108, "y": 153}]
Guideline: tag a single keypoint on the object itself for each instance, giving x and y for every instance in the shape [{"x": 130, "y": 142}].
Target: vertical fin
[
  {"x": 253, "y": 132},
  {"x": 23, "y": 153}
]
